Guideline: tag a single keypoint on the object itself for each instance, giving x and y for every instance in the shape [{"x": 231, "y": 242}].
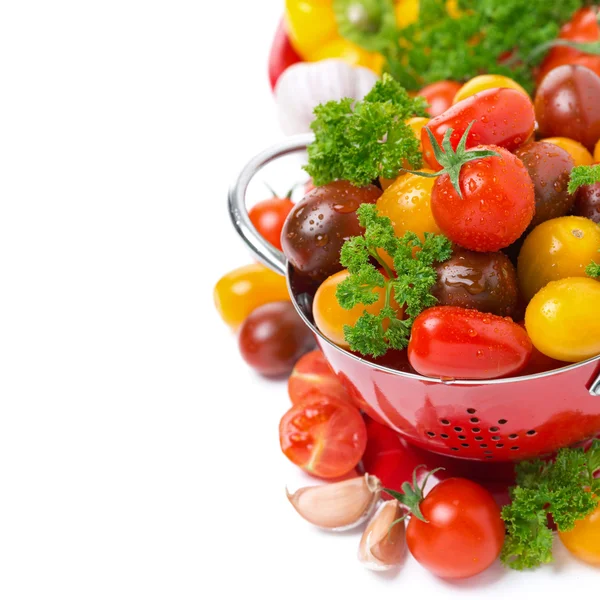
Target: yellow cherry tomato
[
  {"x": 416, "y": 124},
  {"x": 562, "y": 319},
  {"x": 351, "y": 53},
  {"x": 486, "y": 82},
  {"x": 597, "y": 152},
  {"x": 330, "y": 317},
  {"x": 311, "y": 24},
  {"x": 407, "y": 203},
  {"x": 556, "y": 249},
  {"x": 579, "y": 153},
  {"x": 583, "y": 541},
  {"x": 407, "y": 12},
  {"x": 239, "y": 292}
]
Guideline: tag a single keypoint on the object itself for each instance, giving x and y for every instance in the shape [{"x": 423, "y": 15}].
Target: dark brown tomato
[
  {"x": 317, "y": 227},
  {"x": 566, "y": 105},
  {"x": 273, "y": 338},
  {"x": 549, "y": 168},
  {"x": 587, "y": 202},
  {"x": 484, "y": 281}
]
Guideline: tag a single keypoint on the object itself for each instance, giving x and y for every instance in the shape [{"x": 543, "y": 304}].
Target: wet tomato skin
[
  {"x": 464, "y": 532},
  {"x": 324, "y": 436},
  {"x": 317, "y": 227},
  {"x": 273, "y": 338},
  {"x": 497, "y": 204},
  {"x": 461, "y": 343},
  {"x": 484, "y": 281},
  {"x": 503, "y": 117},
  {"x": 549, "y": 168},
  {"x": 587, "y": 202},
  {"x": 566, "y": 105}
]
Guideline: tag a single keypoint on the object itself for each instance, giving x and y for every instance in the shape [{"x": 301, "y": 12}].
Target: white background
[{"x": 138, "y": 455}]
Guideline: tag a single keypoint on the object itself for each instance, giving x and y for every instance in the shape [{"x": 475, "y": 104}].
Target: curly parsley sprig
[
  {"x": 375, "y": 334},
  {"x": 565, "y": 488},
  {"x": 583, "y": 175},
  {"x": 359, "y": 141}
]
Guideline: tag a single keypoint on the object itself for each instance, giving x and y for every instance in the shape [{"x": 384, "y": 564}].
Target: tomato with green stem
[
  {"x": 499, "y": 116},
  {"x": 323, "y": 435},
  {"x": 268, "y": 216},
  {"x": 456, "y": 530},
  {"x": 483, "y": 198}
]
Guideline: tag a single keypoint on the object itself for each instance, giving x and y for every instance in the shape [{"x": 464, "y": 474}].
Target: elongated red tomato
[
  {"x": 324, "y": 436},
  {"x": 464, "y": 531},
  {"x": 497, "y": 204},
  {"x": 503, "y": 117},
  {"x": 448, "y": 341}
]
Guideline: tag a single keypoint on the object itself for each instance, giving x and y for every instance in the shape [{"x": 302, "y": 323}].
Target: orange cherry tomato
[
  {"x": 242, "y": 290},
  {"x": 330, "y": 317},
  {"x": 269, "y": 216},
  {"x": 583, "y": 541},
  {"x": 324, "y": 436},
  {"x": 579, "y": 153},
  {"x": 407, "y": 203},
  {"x": 486, "y": 82},
  {"x": 597, "y": 152}
]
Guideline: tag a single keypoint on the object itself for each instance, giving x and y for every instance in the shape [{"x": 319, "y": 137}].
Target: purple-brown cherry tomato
[{"x": 317, "y": 227}]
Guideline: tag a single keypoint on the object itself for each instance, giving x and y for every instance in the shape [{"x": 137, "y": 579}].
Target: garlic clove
[
  {"x": 382, "y": 548},
  {"x": 304, "y": 85},
  {"x": 338, "y": 506}
]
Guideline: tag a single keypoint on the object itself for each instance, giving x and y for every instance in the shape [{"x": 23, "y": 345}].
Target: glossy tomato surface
[
  {"x": 242, "y": 290},
  {"x": 485, "y": 281},
  {"x": 313, "y": 374},
  {"x": 583, "y": 541},
  {"x": 460, "y": 343},
  {"x": 273, "y": 338},
  {"x": 317, "y": 227},
  {"x": 503, "y": 117},
  {"x": 282, "y": 54},
  {"x": 549, "y": 168},
  {"x": 440, "y": 96},
  {"x": 464, "y": 533},
  {"x": 578, "y": 152},
  {"x": 562, "y": 319},
  {"x": 566, "y": 104},
  {"x": 269, "y": 216},
  {"x": 556, "y": 249},
  {"x": 486, "y": 82},
  {"x": 497, "y": 204},
  {"x": 324, "y": 436},
  {"x": 587, "y": 202}
]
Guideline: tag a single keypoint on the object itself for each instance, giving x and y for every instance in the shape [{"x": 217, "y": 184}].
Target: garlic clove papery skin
[
  {"x": 304, "y": 85},
  {"x": 382, "y": 548},
  {"x": 338, "y": 506}
]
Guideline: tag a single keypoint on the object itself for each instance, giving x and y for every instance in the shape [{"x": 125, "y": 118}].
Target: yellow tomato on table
[
  {"x": 556, "y": 249},
  {"x": 407, "y": 203},
  {"x": 562, "y": 319},
  {"x": 486, "y": 82},
  {"x": 583, "y": 541},
  {"x": 242, "y": 290},
  {"x": 330, "y": 317}
]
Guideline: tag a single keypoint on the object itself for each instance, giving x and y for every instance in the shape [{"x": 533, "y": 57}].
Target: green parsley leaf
[
  {"x": 486, "y": 36},
  {"x": 593, "y": 270},
  {"x": 375, "y": 334},
  {"x": 583, "y": 175},
  {"x": 359, "y": 141},
  {"x": 564, "y": 488}
]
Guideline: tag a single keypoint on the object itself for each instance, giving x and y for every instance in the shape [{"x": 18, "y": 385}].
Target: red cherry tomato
[
  {"x": 464, "y": 533},
  {"x": 449, "y": 341},
  {"x": 439, "y": 96},
  {"x": 583, "y": 27},
  {"x": 313, "y": 374},
  {"x": 503, "y": 117},
  {"x": 282, "y": 54},
  {"x": 269, "y": 216},
  {"x": 497, "y": 204},
  {"x": 324, "y": 436}
]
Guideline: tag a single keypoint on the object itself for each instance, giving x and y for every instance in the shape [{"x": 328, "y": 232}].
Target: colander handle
[
  {"x": 261, "y": 249},
  {"x": 595, "y": 387}
]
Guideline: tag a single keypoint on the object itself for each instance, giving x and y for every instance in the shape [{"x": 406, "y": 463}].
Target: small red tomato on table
[{"x": 268, "y": 216}]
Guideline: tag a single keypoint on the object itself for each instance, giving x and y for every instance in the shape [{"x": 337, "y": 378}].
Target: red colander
[{"x": 495, "y": 420}]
